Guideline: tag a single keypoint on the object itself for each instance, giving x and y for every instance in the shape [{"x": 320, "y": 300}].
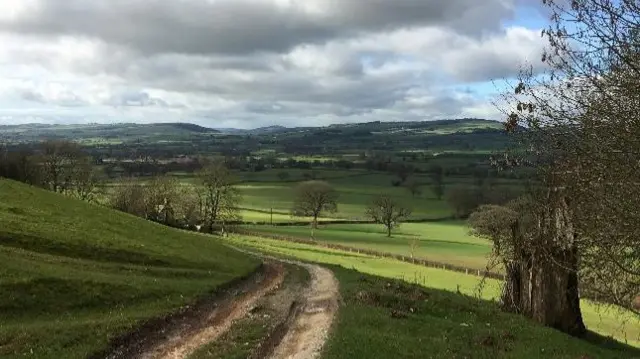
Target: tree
[
  {"x": 218, "y": 196},
  {"x": 413, "y": 186},
  {"x": 388, "y": 212},
  {"x": 463, "y": 200},
  {"x": 312, "y": 198},
  {"x": 582, "y": 136},
  {"x": 59, "y": 159},
  {"x": 402, "y": 170},
  {"x": 538, "y": 285},
  {"x": 162, "y": 199},
  {"x": 129, "y": 196},
  {"x": 85, "y": 180},
  {"x": 283, "y": 175},
  {"x": 437, "y": 180},
  {"x": 20, "y": 166}
]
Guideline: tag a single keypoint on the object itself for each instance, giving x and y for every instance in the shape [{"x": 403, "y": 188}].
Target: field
[
  {"x": 447, "y": 242},
  {"x": 75, "y": 275},
  {"x": 355, "y": 193},
  {"x": 605, "y": 321}
]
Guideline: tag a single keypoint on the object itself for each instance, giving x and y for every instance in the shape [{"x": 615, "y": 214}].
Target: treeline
[
  {"x": 211, "y": 204},
  {"x": 59, "y": 166}
]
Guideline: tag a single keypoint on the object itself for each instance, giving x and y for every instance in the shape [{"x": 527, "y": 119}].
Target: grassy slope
[
  {"x": 604, "y": 321},
  {"x": 447, "y": 242},
  {"x": 440, "y": 324},
  {"x": 74, "y": 275}
]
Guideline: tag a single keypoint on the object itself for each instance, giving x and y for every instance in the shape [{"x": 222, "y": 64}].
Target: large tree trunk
[{"x": 542, "y": 281}]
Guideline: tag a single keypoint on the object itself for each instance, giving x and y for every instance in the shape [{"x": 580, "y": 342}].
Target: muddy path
[
  {"x": 301, "y": 316},
  {"x": 310, "y": 324},
  {"x": 179, "y": 334}
]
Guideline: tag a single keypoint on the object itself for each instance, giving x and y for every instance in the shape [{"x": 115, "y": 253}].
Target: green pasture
[{"x": 447, "y": 242}]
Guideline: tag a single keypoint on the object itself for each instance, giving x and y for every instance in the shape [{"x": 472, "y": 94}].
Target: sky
[{"x": 254, "y": 63}]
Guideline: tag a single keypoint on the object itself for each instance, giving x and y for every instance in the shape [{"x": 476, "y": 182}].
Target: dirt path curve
[
  {"x": 182, "y": 344},
  {"x": 304, "y": 331},
  {"x": 310, "y": 329}
]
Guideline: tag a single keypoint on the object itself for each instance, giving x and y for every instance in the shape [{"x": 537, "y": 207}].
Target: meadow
[
  {"x": 447, "y": 241},
  {"x": 76, "y": 275}
]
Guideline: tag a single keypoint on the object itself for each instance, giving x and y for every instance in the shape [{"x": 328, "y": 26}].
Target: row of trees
[
  {"x": 60, "y": 166},
  {"x": 209, "y": 204}
]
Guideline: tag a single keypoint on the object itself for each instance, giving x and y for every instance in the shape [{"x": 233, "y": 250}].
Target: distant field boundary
[
  {"x": 328, "y": 222},
  {"x": 318, "y": 178},
  {"x": 406, "y": 259}
]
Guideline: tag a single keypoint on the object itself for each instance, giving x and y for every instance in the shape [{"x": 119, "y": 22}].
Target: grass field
[
  {"x": 75, "y": 275},
  {"x": 263, "y": 191},
  {"x": 355, "y": 193},
  {"x": 605, "y": 321},
  {"x": 447, "y": 242}
]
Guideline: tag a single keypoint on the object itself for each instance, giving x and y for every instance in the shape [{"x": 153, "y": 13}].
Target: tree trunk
[
  {"x": 542, "y": 282},
  {"x": 388, "y": 231}
]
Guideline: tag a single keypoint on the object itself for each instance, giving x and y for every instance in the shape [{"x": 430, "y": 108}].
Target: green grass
[
  {"x": 75, "y": 275},
  {"x": 447, "y": 242},
  {"x": 355, "y": 193},
  {"x": 384, "y": 319},
  {"x": 604, "y": 321}
]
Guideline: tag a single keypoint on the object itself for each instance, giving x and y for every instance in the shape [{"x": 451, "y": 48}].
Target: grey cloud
[
  {"x": 246, "y": 26},
  {"x": 65, "y": 99},
  {"x": 134, "y": 98}
]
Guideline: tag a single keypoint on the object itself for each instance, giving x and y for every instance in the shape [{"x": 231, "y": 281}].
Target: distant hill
[
  {"x": 104, "y": 133},
  {"x": 254, "y": 131},
  {"x": 449, "y": 126}
]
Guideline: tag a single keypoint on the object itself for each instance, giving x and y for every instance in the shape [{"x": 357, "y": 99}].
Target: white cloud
[{"x": 330, "y": 61}]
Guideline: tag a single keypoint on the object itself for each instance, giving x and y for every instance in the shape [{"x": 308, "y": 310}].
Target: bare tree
[
  {"x": 218, "y": 197},
  {"x": 85, "y": 180},
  {"x": 312, "y": 198},
  {"x": 413, "y": 187},
  {"x": 59, "y": 159},
  {"x": 388, "y": 212},
  {"x": 128, "y": 196}
]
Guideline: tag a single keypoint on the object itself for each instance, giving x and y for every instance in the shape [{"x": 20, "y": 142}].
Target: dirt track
[
  {"x": 183, "y": 343},
  {"x": 300, "y": 335},
  {"x": 310, "y": 329}
]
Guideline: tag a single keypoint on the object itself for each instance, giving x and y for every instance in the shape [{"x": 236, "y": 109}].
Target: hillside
[
  {"x": 78, "y": 274},
  {"x": 91, "y": 134}
]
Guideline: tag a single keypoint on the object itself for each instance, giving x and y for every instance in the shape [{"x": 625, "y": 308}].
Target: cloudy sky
[{"x": 251, "y": 63}]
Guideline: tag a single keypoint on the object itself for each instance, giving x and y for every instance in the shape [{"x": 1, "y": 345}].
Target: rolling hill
[{"x": 76, "y": 275}]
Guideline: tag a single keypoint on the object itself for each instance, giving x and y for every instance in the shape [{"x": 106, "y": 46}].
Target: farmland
[{"x": 50, "y": 238}]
